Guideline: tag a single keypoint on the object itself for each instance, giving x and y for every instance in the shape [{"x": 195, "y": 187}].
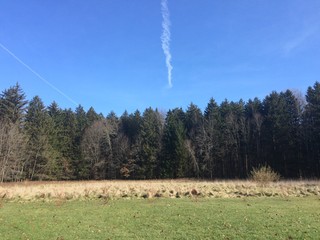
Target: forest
[{"x": 225, "y": 141}]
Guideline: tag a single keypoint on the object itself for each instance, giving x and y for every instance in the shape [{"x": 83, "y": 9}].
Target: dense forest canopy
[{"x": 224, "y": 141}]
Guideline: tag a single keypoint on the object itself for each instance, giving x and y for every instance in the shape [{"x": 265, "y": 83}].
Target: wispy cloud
[
  {"x": 38, "y": 75},
  {"x": 299, "y": 40},
  {"x": 166, "y": 37}
]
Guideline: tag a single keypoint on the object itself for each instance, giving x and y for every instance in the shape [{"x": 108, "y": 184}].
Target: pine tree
[
  {"x": 232, "y": 139},
  {"x": 151, "y": 133},
  {"x": 114, "y": 158},
  {"x": 194, "y": 122},
  {"x": 37, "y": 132},
  {"x": 174, "y": 153},
  {"x": 57, "y": 162},
  {"x": 81, "y": 169},
  {"x": 254, "y": 121},
  {"x": 92, "y": 116},
  {"x": 212, "y": 155},
  {"x": 12, "y": 104},
  {"x": 290, "y": 134},
  {"x": 129, "y": 142},
  {"x": 311, "y": 125},
  {"x": 63, "y": 139},
  {"x": 280, "y": 132},
  {"x": 54, "y": 110}
]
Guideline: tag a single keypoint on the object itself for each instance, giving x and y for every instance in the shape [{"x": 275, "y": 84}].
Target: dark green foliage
[
  {"x": 92, "y": 116},
  {"x": 150, "y": 145},
  {"x": 311, "y": 124},
  {"x": 194, "y": 122},
  {"x": 212, "y": 154},
  {"x": 127, "y": 145},
  {"x": 114, "y": 147},
  {"x": 63, "y": 139},
  {"x": 232, "y": 139},
  {"x": 80, "y": 167},
  {"x": 280, "y": 132},
  {"x": 174, "y": 152},
  {"x": 12, "y": 104},
  {"x": 254, "y": 121},
  {"x": 37, "y": 133},
  {"x": 131, "y": 125},
  {"x": 225, "y": 141}
]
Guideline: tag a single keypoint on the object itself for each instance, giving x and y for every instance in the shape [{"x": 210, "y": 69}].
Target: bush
[{"x": 264, "y": 174}]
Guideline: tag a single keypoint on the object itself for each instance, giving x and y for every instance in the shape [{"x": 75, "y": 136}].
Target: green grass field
[{"x": 164, "y": 218}]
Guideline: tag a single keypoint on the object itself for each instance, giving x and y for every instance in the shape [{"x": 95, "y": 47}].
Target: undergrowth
[{"x": 264, "y": 174}]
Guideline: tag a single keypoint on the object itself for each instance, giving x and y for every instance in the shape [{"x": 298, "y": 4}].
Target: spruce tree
[
  {"x": 212, "y": 154},
  {"x": 194, "y": 123},
  {"x": 37, "y": 132},
  {"x": 12, "y": 104},
  {"x": 92, "y": 116},
  {"x": 174, "y": 153},
  {"x": 151, "y": 133},
  {"x": 312, "y": 131},
  {"x": 254, "y": 121},
  {"x": 80, "y": 167}
]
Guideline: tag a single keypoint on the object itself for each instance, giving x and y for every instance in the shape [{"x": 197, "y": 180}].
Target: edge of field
[{"x": 183, "y": 188}]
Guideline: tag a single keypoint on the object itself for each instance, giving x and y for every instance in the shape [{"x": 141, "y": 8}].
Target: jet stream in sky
[
  {"x": 166, "y": 37},
  {"x": 38, "y": 75}
]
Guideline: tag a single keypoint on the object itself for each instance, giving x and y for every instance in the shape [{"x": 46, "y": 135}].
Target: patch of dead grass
[{"x": 186, "y": 188}]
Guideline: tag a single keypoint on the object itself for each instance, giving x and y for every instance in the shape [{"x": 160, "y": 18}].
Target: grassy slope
[{"x": 246, "y": 218}]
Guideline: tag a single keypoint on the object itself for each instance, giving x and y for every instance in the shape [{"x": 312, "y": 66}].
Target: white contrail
[
  {"x": 166, "y": 37},
  {"x": 38, "y": 75}
]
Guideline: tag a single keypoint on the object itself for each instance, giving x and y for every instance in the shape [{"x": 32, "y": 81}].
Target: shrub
[{"x": 264, "y": 174}]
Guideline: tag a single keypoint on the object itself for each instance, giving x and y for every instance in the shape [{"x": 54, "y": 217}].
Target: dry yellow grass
[{"x": 153, "y": 189}]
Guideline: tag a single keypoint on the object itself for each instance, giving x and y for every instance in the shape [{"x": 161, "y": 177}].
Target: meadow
[{"x": 170, "y": 209}]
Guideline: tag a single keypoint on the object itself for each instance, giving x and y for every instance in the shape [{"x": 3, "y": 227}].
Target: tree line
[{"x": 225, "y": 141}]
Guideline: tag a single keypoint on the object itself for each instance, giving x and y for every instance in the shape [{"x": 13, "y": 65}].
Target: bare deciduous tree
[
  {"x": 12, "y": 148},
  {"x": 95, "y": 140}
]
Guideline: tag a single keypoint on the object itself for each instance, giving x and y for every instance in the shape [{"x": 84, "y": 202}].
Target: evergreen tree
[
  {"x": 240, "y": 134},
  {"x": 129, "y": 139},
  {"x": 57, "y": 161},
  {"x": 194, "y": 123},
  {"x": 114, "y": 158},
  {"x": 280, "y": 132},
  {"x": 92, "y": 116},
  {"x": 290, "y": 134},
  {"x": 174, "y": 153},
  {"x": 232, "y": 139},
  {"x": 270, "y": 126},
  {"x": 54, "y": 110},
  {"x": 130, "y": 125},
  {"x": 226, "y": 141},
  {"x": 312, "y": 131},
  {"x": 254, "y": 121},
  {"x": 212, "y": 153},
  {"x": 81, "y": 169},
  {"x": 12, "y": 104},
  {"x": 64, "y": 141},
  {"x": 37, "y": 132},
  {"x": 151, "y": 133}
]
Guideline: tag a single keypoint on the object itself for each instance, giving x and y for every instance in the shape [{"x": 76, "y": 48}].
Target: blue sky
[{"x": 107, "y": 53}]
